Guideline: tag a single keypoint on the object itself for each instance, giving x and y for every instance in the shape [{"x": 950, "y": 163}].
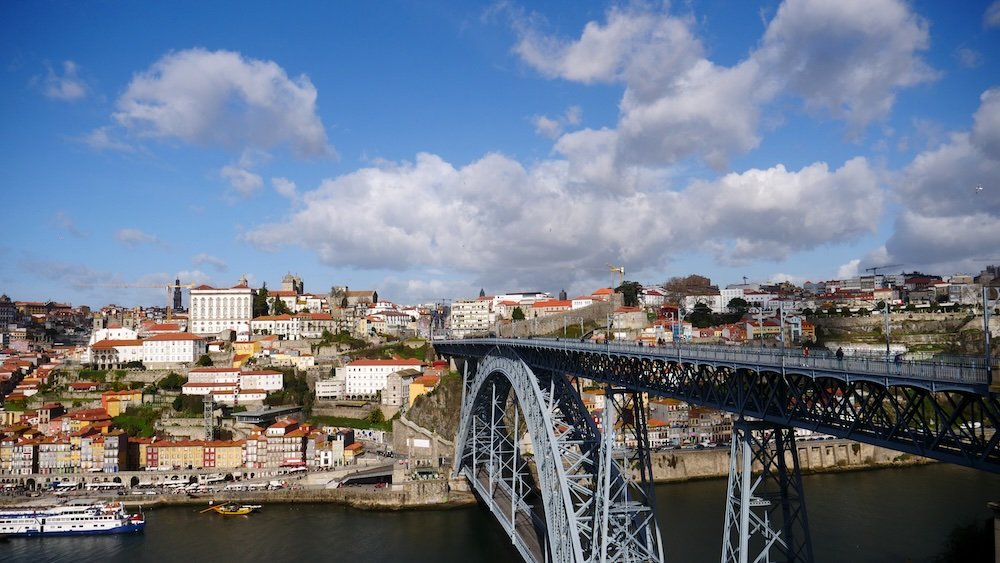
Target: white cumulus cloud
[
  {"x": 848, "y": 59},
  {"x": 242, "y": 180},
  {"x": 285, "y": 188},
  {"x": 946, "y": 219},
  {"x": 66, "y": 87},
  {"x": 134, "y": 237},
  {"x": 502, "y": 224},
  {"x": 207, "y": 259},
  {"x": 222, "y": 98}
]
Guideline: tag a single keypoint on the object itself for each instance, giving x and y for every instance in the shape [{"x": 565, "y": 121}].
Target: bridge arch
[{"x": 579, "y": 482}]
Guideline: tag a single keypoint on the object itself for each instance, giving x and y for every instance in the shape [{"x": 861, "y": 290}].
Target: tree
[
  {"x": 376, "y": 416},
  {"x": 517, "y": 314},
  {"x": 807, "y": 312},
  {"x": 630, "y": 293},
  {"x": 677, "y": 288},
  {"x": 701, "y": 316},
  {"x": 260, "y": 306},
  {"x": 739, "y": 306},
  {"x": 279, "y": 307},
  {"x": 205, "y": 361},
  {"x": 173, "y": 381}
]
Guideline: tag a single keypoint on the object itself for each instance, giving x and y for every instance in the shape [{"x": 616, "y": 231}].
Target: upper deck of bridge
[{"x": 955, "y": 373}]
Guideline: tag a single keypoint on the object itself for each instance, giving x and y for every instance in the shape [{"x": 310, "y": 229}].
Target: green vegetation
[
  {"x": 260, "y": 307},
  {"x": 395, "y": 350},
  {"x": 137, "y": 421},
  {"x": 350, "y": 422},
  {"x": 204, "y": 361},
  {"x": 517, "y": 314},
  {"x": 278, "y": 307},
  {"x": 97, "y": 375},
  {"x": 296, "y": 391},
  {"x": 376, "y": 416},
  {"x": 189, "y": 404},
  {"x": 135, "y": 364},
  {"x": 630, "y": 293},
  {"x": 172, "y": 382},
  {"x": 15, "y": 405}
]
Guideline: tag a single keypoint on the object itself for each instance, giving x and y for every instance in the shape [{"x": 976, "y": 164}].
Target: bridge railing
[{"x": 966, "y": 370}]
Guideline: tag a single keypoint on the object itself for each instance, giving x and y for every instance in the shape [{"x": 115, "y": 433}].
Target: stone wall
[{"x": 814, "y": 456}]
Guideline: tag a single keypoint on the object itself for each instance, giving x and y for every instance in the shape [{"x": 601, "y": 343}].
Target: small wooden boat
[{"x": 233, "y": 509}]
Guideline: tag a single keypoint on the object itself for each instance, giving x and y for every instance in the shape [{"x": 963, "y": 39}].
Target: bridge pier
[
  {"x": 595, "y": 490},
  {"x": 766, "y": 511}
]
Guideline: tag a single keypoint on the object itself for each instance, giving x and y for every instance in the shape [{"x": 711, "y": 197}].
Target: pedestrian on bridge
[{"x": 840, "y": 354}]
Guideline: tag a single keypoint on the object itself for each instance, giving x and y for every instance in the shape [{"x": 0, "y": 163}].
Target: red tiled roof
[
  {"x": 108, "y": 344},
  {"x": 175, "y": 336}
]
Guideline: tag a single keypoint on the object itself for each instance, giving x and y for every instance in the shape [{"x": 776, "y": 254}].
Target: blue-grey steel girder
[
  {"x": 566, "y": 455},
  {"x": 766, "y": 516},
  {"x": 952, "y": 419}
]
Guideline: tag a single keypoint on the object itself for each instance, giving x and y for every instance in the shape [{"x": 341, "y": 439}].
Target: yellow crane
[
  {"x": 620, "y": 270},
  {"x": 169, "y": 286}
]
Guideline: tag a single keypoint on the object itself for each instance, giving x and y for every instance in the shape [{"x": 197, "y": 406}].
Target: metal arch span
[
  {"x": 941, "y": 412},
  {"x": 591, "y": 509}
]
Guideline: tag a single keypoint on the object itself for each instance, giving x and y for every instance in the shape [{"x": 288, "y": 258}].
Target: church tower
[{"x": 178, "y": 305}]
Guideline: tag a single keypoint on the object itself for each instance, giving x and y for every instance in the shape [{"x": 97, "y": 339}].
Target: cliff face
[{"x": 439, "y": 411}]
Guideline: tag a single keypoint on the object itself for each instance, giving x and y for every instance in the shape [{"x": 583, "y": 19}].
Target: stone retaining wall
[{"x": 814, "y": 456}]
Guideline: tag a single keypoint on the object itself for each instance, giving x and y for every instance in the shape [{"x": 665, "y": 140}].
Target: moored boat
[
  {"x": 67, "y": 520},
  {"x": 233, "y": 509}
]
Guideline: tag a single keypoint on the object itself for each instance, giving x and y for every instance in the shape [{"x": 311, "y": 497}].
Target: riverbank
[{"x": 815, "y": 456}]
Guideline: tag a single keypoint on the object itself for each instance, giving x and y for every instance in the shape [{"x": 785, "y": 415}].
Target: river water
[{"x": 870, "y": 516}]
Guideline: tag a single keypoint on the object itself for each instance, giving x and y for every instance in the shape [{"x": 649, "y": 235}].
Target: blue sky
[{"x": 430, "y": 149}]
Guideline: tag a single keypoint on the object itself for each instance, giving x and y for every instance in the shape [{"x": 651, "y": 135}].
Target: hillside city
[{"x": 243, "y": 378}]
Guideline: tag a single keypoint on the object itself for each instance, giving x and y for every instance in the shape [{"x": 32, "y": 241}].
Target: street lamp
[
  {"x": 760, "y": 322},
  {"x": 885, "y": 313}
]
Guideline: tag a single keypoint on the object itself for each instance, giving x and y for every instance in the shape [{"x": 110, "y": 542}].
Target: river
[{"x": 870, "y": 516}]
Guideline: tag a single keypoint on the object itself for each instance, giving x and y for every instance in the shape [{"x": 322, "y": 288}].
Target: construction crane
[
  {"x": 874, "y": 270},
  {"x": 169, "y": 286},
  {"x": 620, "y": 270}
]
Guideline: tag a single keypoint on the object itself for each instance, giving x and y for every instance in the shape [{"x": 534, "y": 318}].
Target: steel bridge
[{"x": 596, "y": 488}]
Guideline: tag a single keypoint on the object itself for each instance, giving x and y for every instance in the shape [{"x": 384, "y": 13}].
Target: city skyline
[{"x": 430, "y": 151}]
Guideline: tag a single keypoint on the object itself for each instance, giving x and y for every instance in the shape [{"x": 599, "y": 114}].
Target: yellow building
[
  {"x": 115, "y": 402},
  {"x": 246, "y": 348},
  {"x": 225, "y": 454}
]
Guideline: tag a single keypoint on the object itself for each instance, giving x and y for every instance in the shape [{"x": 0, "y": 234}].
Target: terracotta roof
[
  {"x": 108, "y": 344},
  {"x": 212, "y": 370},
  {"x": 427, "y": 380},
  {"x": 175, "y": 336}
]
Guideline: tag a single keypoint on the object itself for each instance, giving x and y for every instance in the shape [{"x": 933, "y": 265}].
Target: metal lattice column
[
  {"x": 627, "y": 529},
  {"x": 766, "y": 512},
  {"x": 583, "y": 522}
]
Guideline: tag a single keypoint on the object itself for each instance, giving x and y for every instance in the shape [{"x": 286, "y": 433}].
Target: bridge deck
[{"x": 969, "y": 374}]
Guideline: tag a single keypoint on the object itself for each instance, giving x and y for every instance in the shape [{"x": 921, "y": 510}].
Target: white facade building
[
  {"x": 173, "y": 348},
  {"x": 367, "y": 377},
  {"x": 214, "y": 310},
  {"x": 202, "y": 381},
  {"x": 470, "y": 316}
]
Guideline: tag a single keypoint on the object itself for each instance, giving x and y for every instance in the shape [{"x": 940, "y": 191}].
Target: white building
[
  {"x": 112, "y": 332},
  {"x": 230, "y": 381},
  {"x": 268, "y": 380},
  {"x": 331, "y": 389},
  {"x": 173, "y": 348},
  {"x": 214, "y": 310},
  {"x": 470, "y": 316},
  {"x": 367, "y": 377},
  {"x": 285, "y": 327},
  {"x": 214, "y": 375}
]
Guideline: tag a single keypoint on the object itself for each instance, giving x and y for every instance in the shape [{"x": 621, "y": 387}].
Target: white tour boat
[{"x": 97, "y": 518}]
